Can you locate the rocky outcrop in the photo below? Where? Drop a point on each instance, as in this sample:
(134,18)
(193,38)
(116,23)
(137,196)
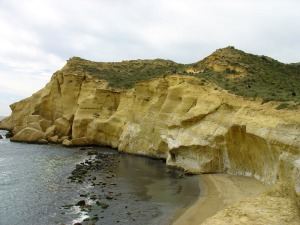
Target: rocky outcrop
(190,122)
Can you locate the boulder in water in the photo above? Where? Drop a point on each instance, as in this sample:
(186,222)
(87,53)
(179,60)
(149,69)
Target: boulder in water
(9,134)
(81,203)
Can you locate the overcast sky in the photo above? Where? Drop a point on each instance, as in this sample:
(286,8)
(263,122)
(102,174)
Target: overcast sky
(38,36)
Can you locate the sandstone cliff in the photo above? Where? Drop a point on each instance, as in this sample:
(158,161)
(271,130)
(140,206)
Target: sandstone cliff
(190,122)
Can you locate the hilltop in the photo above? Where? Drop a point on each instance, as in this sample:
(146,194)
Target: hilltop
(238,72)
(251,75)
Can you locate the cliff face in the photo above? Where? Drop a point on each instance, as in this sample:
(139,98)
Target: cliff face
(189,122)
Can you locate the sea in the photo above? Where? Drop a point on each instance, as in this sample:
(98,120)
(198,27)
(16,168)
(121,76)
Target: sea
(35,189)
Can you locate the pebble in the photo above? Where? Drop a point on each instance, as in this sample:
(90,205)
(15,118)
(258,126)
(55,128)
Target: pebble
(109,197)
(93,197)
(83,195)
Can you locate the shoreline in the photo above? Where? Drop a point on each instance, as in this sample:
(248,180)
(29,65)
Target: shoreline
(217,191)
(100,203)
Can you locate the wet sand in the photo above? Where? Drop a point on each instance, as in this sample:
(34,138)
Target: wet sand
(217,192)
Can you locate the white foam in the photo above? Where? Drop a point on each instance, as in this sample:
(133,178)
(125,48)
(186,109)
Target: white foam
(82,215)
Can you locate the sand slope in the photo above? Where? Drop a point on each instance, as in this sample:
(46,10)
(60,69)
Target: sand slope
(219,191)
(228,200)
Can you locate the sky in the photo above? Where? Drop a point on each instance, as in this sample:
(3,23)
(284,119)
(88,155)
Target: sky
(38,36)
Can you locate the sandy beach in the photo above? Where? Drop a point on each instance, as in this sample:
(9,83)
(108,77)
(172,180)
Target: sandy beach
(217,192)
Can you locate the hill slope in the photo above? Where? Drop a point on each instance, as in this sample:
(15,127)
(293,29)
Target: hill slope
(238,72)
(251,75)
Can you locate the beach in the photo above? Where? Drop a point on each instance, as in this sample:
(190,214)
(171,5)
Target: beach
(217,192)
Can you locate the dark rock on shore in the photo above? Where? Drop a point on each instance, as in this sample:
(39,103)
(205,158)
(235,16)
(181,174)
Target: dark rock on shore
(93,197)
(88,172)
(67,206)
(95,218)
(9,134)
(86,208)
(81,203)
(102,204)
(102,161)
(109,197)
(102,200)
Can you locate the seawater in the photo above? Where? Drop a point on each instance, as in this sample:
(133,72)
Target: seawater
(34,186)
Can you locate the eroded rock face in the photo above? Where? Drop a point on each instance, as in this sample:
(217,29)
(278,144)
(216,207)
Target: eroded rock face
(200,128)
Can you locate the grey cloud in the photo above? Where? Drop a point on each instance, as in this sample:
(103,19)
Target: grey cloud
(38,36)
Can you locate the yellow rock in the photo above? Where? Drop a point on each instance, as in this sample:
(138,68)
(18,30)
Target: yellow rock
(63,125)
(198,127)
(29,134)
(53,139)
(50,131)
(79,141)
(192,125)
(67,143)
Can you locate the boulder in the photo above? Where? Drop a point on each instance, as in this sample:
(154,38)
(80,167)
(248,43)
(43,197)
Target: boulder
(9,134)
(50,131)
(53,139)
(45,124)
(42,142)
(29,134)
(34,125)
(63,125)
(81,203)
(67,143)
(61,140)
(80,141)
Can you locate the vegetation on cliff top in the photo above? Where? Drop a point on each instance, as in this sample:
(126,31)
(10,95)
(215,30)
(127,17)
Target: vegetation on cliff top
(251,75)
(234,70)
(126,73)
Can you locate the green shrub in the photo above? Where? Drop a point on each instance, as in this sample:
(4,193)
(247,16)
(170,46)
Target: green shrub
(263,78)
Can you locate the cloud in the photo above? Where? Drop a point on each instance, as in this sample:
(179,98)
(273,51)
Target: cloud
(37,36)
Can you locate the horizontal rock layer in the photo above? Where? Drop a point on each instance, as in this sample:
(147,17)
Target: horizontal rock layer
(190,123)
